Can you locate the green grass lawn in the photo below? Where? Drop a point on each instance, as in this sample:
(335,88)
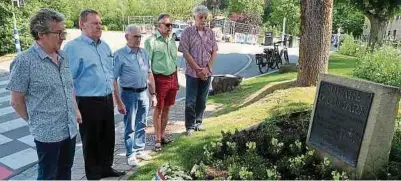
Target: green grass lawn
(186,151)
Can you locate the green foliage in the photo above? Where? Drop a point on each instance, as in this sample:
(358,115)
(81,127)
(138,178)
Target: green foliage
(275,149)
(172,172)
(6,29)
(378,13)
(278,9)
(382,66)
(348,45)
(349,18)
(251,9)
(383,9)
(114,27)
(216,5)
(394,166)
(6,35)
(246,6)
(69,24)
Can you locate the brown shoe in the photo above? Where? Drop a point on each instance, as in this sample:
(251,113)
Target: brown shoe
(165,141)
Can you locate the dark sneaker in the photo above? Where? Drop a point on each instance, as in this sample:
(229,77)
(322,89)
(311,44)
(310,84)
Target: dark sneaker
(200,128)
(112,173)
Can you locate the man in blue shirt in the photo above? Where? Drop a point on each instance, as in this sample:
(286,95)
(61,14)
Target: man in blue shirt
(132,67)
(91,63)
(43,94)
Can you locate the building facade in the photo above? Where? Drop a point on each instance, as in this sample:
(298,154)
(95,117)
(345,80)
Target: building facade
(393,30)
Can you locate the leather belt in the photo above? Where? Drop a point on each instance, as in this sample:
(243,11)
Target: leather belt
(134,89)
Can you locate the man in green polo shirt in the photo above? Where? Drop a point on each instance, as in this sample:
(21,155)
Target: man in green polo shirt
(162,51)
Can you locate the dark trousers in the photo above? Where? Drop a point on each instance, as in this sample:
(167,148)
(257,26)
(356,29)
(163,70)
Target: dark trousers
(55,159)
(97,134)
(197,91)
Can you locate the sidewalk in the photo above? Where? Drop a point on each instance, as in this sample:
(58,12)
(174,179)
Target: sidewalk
(174,129)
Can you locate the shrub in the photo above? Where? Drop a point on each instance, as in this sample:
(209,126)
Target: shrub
(381,66)
(274,150)
(69,24)
(114,27)
(348,45)
(7,28)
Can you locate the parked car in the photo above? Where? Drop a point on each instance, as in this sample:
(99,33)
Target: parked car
(178,27)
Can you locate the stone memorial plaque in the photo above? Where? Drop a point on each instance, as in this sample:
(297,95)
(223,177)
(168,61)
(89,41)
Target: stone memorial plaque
(339,121)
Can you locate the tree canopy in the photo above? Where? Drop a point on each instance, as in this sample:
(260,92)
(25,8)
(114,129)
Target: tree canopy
(379,12)
(251,11)
(349,18)
(278,9)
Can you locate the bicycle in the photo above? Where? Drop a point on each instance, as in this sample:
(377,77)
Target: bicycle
(271,58)
(284,54)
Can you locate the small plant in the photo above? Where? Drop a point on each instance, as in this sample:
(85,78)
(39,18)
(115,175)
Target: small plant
(244,174)
(339,176)
(171,172)
(273,174)
(274,150)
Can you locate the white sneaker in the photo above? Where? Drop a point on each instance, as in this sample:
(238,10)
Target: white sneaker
(132,161)
(143,156)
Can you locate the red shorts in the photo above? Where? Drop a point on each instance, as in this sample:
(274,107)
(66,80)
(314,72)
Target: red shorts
(166,89)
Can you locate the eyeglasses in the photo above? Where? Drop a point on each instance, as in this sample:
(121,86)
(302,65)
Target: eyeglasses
(168,25)
(62,34)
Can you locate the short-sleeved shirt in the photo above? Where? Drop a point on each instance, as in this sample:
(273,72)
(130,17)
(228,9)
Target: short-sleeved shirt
(48,90)
(131,68)
(91,66)
(199,47)
(163,54)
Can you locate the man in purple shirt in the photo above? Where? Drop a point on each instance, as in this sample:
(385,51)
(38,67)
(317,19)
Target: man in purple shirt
(199,48)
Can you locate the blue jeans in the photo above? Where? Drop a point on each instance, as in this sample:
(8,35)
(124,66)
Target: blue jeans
(137,106)
(197,91)
(55,159)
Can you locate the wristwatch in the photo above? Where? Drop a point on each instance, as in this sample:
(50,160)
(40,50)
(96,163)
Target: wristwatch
(153,93)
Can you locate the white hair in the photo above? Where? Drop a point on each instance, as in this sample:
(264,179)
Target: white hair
(131,28)
(200,9)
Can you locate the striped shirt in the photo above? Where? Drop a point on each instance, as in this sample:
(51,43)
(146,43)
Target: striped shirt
(200,48)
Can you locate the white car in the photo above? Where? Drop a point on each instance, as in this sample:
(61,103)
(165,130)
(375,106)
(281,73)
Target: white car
(178,27)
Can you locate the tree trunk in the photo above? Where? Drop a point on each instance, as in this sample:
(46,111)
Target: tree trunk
(377,31)
(316,26)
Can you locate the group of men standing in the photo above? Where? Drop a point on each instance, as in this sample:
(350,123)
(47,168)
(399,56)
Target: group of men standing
(56,90)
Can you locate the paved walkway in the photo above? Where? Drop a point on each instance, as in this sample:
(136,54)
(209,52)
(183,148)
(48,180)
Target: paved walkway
(174,129)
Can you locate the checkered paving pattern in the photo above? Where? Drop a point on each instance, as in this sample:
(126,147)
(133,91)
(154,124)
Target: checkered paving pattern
(17,146)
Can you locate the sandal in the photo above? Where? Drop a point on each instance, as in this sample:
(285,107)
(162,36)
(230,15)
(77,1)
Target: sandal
(165,141)
(158,145)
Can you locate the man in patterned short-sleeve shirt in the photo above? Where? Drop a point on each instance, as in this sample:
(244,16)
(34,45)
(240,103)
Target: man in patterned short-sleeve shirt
(42,93)
(199,48)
